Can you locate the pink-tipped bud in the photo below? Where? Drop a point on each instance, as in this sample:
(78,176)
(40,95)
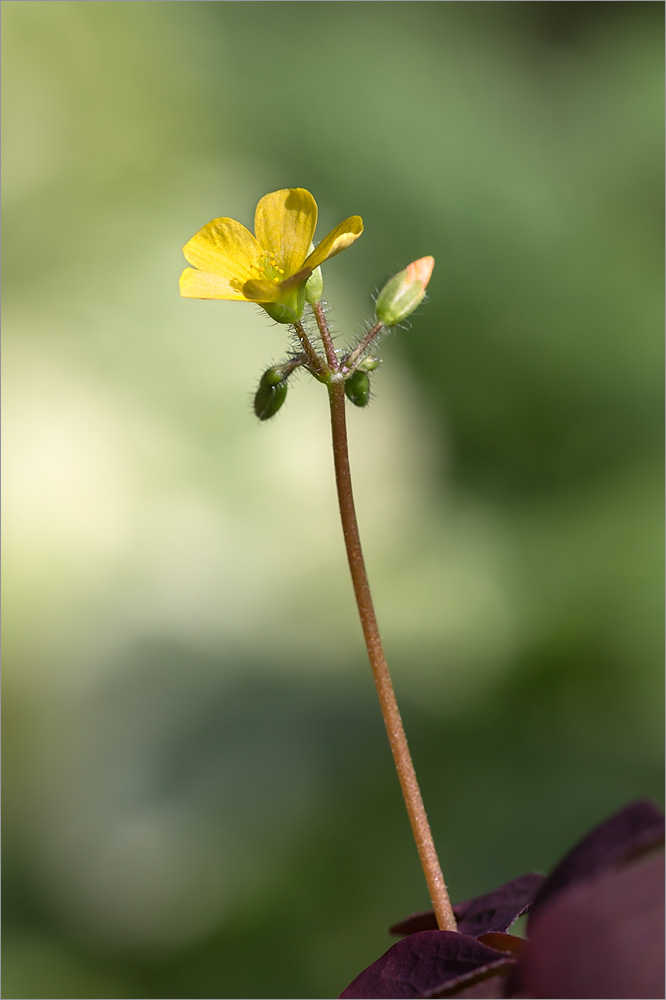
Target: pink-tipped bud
(404,292)
(420,270)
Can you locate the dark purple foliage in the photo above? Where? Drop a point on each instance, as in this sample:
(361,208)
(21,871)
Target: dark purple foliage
(602,937)
(494,911)
(596,929)
(425,964)
(503,942)
(489,988)
(627,833)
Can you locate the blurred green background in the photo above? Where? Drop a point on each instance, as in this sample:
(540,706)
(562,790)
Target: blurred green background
(198,796)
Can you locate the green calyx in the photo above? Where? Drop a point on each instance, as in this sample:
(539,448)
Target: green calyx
(289,309)
(314,287)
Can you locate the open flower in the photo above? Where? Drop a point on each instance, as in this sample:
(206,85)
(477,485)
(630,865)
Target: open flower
(271,267)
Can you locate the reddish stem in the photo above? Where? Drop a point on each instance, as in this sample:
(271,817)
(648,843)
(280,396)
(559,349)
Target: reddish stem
(389,706)
(351,360)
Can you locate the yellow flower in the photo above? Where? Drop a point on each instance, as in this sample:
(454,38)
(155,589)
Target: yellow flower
(271,267)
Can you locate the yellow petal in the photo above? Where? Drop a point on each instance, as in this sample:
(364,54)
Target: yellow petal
(202,285)
(224,247)
(339,239)
(262,291)
(284,224)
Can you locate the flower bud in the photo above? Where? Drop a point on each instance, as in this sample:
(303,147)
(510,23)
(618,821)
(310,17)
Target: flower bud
(357,388)
(368,365)
(271,393)
(314,287)
(404,292)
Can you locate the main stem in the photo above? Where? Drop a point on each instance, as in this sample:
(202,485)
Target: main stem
(396,733)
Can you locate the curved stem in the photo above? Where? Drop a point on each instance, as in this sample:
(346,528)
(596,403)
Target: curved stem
(389,706)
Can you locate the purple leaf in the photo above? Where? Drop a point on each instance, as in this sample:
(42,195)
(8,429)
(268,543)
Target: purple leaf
(425,964)
(425,921)
(498,910)
(490,987)
(627,833)
(603,937)
(494,911)
(504,942)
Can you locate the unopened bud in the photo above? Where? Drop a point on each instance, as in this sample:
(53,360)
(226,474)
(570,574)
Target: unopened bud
(404,292)
(314,287)
(271,393)
(357,388)
(368,365)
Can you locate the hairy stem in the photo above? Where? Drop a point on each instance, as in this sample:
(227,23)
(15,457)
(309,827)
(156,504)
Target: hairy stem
(389,706)
(315,364)
(325,333)
(351,360)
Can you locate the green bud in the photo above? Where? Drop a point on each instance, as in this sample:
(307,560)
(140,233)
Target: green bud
(398,299)
(368,365)
(271,393)
(404,292)
(357,388)
(314,287)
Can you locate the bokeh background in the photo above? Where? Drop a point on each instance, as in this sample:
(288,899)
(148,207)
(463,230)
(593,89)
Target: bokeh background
(198,796)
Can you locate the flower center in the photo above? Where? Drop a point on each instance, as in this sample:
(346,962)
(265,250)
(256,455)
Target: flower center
(268,267)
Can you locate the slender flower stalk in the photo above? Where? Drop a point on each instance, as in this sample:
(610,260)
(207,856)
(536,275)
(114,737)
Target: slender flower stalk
(387,700)
(380,671)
